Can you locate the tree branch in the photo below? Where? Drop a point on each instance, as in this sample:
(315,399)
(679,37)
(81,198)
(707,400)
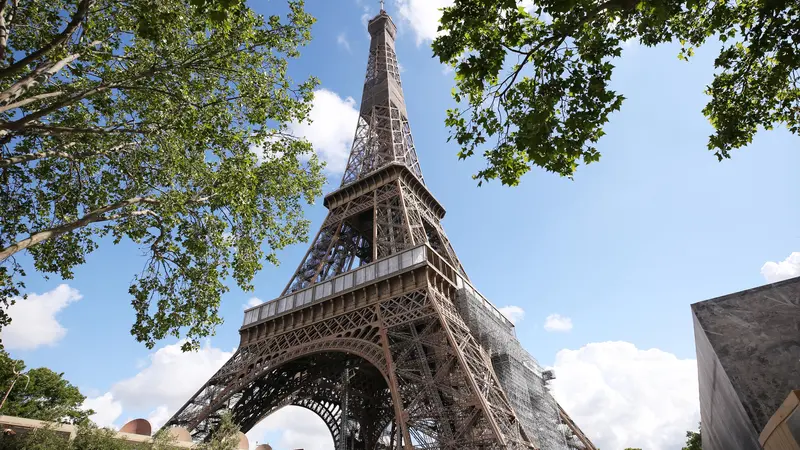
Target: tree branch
(43,71)
(22,121)
(154,89)
(49,130)
(5,26)
(30,100)
(20,159)
(141,212)
(80,14)
(94,216)
(563,36)
(97,215)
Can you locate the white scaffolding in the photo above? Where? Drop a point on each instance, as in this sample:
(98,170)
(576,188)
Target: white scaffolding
(523,380)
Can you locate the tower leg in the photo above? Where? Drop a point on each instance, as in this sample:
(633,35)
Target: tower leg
(412,350)
(343,437)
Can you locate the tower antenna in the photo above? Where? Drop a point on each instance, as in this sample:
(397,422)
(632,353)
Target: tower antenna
(382,5)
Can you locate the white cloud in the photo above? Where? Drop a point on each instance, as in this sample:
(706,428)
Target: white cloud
(254,301)
(366,17)
(527,4)
(778,271)
(630,43)
(294,427)
(622,396)
(513,313)
(333,124)
(171,377)
(423,16)
(341,39)
(557,322)
(106,409)
(263,153)
(33,320)
(164,383)
(160,416)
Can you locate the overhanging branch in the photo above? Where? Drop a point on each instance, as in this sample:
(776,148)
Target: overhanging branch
(97,215)
(77,18)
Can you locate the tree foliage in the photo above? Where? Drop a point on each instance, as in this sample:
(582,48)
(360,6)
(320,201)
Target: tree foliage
(88,437)
(41,394)
(218,10)
(694,440)
(548,109)
(225,437)
(160,123)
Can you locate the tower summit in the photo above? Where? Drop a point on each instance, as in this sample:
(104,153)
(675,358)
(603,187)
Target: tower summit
(379,331)
(383,134)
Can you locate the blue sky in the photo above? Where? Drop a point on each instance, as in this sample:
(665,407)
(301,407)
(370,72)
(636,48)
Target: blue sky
(619,253)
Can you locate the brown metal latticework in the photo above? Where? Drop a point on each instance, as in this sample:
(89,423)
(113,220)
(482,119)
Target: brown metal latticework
(379,331)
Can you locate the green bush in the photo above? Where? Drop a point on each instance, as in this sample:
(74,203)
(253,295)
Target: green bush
(88,437)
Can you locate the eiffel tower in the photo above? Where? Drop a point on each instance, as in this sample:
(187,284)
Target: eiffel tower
(380,331)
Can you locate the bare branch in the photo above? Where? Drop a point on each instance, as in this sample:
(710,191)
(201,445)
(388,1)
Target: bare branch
(30,100)
(20,159)
(22,121)
(97,215)
(5,25)
(42,72)
(141,212)
(48,130)
(80,14)
(94,216)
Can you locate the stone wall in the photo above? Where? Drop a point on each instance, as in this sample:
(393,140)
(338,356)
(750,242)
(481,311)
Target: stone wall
(748,356)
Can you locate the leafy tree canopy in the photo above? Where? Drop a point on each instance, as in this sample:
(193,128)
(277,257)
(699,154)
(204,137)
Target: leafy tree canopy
(42,395)
(160,123)
(549,108)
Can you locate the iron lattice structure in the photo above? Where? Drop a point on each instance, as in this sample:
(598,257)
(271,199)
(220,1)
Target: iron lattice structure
(379,331)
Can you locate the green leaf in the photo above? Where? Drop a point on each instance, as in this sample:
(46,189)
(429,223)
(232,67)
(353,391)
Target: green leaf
(548,121)
(187,155)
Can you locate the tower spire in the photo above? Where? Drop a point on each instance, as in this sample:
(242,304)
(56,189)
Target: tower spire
(383,133)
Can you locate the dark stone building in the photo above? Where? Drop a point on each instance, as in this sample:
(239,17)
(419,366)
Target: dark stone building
(748,358)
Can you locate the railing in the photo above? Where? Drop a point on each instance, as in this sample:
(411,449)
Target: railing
(461,283)
(346,281)
(363,275)
(464,284)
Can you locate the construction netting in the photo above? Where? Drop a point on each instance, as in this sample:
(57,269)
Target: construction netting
(522,378)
